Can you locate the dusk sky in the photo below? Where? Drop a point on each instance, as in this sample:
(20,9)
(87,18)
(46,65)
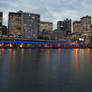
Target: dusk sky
(50,10)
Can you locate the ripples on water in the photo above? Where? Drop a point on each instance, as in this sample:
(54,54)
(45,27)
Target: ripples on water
(45,70)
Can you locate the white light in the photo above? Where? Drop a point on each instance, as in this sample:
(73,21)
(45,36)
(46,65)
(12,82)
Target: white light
(81,39)
(10,45)
(21,45)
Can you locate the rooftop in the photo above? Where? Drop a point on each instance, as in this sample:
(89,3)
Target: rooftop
(44,22)
(20,12)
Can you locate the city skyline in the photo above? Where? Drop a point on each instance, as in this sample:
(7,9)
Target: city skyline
(58,10)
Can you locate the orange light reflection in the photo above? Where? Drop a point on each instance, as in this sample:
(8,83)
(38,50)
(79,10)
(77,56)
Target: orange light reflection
(59,51)
(75,53)
(88,57)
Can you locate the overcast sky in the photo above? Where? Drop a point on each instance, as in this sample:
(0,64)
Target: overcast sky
(50,10)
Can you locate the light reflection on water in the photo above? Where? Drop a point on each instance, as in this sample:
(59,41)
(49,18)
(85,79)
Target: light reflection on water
(44,69)
(76,62)
(59,58)
(88,58)
(10,54)
(22,55)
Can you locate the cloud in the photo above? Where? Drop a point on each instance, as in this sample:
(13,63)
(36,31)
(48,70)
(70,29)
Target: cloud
(50,10)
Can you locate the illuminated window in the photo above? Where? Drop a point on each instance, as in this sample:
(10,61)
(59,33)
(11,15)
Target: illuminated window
(33,17)
(25,24)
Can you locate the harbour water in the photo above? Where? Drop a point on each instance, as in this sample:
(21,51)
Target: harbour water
(45,70)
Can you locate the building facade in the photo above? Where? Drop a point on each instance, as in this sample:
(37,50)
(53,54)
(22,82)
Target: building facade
(45,29)
(3,30)
(58,35)
(85,23)
(46,26)
(30,25)
(24,24)
(76,27)
(60,25)
(1,18)
(67,25)
(15,24)
(83,28)
(86,28)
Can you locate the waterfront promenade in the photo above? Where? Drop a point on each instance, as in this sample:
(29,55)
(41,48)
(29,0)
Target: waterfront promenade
(25,43)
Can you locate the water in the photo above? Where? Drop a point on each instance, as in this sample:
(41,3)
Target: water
(45,70)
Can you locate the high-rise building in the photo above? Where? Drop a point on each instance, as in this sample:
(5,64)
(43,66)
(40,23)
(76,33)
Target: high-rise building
(86,28)
(1,18)
(24,24)
(60,25)
(3,28)
(64,26)
(85,23)
(15,24)
(67,26)
(83,28)
(76,27)
(30,23)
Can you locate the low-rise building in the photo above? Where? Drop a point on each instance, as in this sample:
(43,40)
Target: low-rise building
(58,35)
(46,29)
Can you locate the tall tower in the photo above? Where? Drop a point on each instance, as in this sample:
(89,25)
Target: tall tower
(67,25)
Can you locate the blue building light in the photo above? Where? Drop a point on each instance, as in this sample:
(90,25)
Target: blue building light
(31,42)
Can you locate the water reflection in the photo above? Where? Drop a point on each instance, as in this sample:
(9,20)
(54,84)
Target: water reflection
(22,55)
(59,52)
(1,51)
(21,59)
(47,53)
(14,56)
(10,52)
(47,63)
(45,68)
(10,55)
(81,61)
(4,68)
(76,64)
(59,57)
(88,58)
